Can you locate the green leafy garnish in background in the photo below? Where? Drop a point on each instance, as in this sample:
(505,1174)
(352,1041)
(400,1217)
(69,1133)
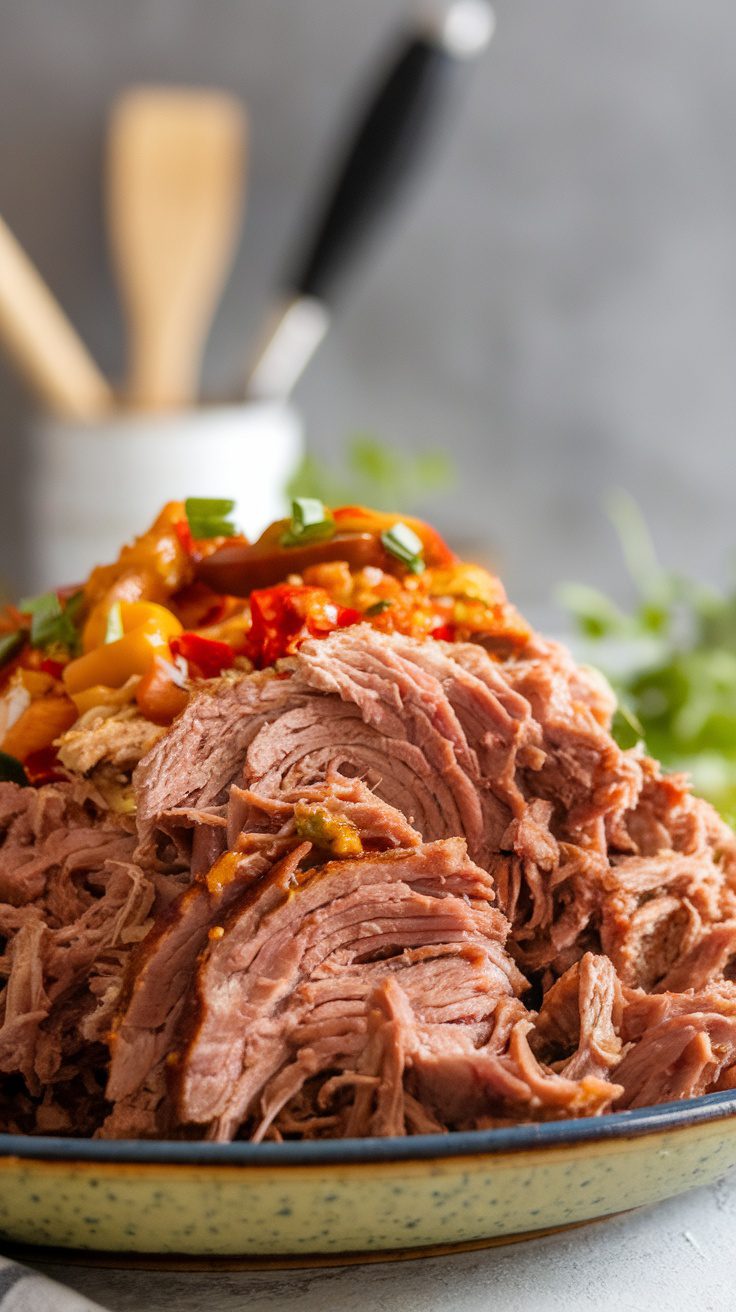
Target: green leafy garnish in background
(671,660)
(51,622)
(373,474)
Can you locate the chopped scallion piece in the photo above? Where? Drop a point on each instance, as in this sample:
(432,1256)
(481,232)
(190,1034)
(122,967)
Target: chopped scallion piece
(208,517)
(379,607)
(9,644)
(311,521)
(51,623)
(114,626)
(45,612)
(403,543)
(47,603)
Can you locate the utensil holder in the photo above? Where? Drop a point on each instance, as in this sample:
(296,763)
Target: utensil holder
(92,487)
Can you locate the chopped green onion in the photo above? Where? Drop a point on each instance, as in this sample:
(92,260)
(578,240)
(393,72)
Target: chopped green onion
(9,644)
(114,626)
(204,506)
(47,604)
(208,517)
(403,543)
(51,623)
(379,607)
(311,521)
(11,771)
(46,613)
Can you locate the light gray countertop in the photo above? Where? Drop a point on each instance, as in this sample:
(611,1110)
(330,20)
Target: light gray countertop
(679,1255)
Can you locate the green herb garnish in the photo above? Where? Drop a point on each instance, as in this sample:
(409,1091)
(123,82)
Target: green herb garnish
(378,607)
(208,517)
(671,660)
(11,771)
(372,473)
(403,543)
(10,643)
(114,626)
(310,521)
(51,623)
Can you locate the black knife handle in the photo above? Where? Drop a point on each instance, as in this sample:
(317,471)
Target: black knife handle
(384,152)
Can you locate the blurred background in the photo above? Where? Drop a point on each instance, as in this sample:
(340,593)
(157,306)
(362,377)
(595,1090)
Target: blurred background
(556,307)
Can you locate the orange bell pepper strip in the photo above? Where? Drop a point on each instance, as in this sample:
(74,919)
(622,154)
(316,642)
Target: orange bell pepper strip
(157,561)
(45,720)
(238,569)
(115,662)
(361,519)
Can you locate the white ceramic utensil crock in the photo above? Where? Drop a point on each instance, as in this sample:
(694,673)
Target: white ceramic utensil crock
(92,487)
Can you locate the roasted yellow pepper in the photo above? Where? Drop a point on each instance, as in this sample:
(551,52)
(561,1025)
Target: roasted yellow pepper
(132,615)
(114,662)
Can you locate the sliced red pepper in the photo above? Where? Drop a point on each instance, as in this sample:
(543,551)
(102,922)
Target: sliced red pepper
(43,767)
(206,657)
(284,616)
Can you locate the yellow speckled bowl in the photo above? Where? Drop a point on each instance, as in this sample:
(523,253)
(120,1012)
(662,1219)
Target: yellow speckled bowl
(331,1200)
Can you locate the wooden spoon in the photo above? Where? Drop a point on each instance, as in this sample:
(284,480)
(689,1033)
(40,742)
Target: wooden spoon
(175,179)
(43,343)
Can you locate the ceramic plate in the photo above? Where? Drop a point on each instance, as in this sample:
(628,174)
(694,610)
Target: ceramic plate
(332,1200)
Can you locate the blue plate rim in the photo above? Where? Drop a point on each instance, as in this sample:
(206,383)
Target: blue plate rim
(338,1152)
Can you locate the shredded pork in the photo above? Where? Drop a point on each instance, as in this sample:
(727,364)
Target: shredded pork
(393,886)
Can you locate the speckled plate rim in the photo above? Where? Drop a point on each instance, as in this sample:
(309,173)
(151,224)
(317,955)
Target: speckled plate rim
(338,1152)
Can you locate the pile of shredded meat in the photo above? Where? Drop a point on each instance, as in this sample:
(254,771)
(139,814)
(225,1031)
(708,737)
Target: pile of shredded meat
(392,886)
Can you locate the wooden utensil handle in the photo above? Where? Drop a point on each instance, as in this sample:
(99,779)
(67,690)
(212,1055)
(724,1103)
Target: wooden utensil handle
(44,345)
(164,363)
(175,168)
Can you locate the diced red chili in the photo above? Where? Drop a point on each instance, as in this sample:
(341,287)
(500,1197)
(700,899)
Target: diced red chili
(206,658)
(284,616)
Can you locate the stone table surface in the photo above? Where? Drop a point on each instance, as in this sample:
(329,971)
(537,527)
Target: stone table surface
(679,1255)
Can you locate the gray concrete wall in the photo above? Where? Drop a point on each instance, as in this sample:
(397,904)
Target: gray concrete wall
(559,306)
